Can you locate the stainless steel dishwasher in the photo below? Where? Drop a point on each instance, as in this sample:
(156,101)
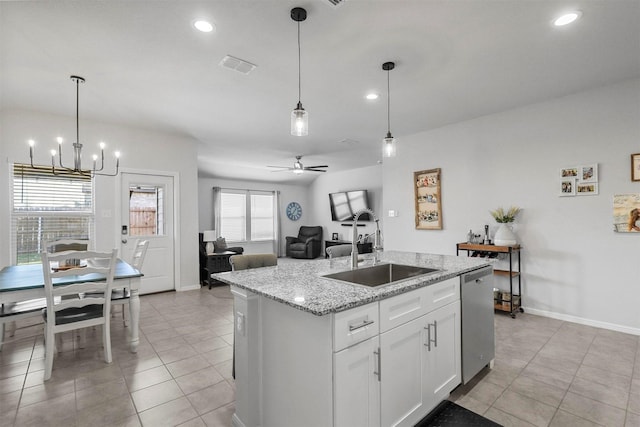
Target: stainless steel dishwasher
(478,335)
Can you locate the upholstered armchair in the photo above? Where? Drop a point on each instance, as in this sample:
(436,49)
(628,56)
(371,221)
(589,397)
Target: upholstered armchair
(308,244)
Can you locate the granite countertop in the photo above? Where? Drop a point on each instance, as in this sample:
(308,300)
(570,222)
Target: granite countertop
(299,285)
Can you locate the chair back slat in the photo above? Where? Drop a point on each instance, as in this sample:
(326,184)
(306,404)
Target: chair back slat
(139,253)
(98,275)
(63,245)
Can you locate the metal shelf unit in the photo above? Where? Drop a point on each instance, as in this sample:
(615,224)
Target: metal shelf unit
(514,304)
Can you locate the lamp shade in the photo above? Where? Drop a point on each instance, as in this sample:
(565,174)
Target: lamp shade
(209,236)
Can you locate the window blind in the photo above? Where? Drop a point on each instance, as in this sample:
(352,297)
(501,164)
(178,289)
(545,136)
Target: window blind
(48,206)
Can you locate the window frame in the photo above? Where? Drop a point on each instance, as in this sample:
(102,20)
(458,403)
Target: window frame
(14,214)
(248,217)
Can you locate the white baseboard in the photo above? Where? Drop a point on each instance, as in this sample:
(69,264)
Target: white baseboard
(188,288)
(582,321)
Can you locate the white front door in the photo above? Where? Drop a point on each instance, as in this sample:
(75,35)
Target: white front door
(147,213)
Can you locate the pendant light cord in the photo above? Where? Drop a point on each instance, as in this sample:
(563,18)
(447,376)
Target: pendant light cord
(77,111)
(388,105)
(299,68)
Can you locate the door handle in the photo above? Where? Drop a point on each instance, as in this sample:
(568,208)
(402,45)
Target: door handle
(124,241)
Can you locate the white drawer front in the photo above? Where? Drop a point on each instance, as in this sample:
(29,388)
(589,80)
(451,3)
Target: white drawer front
(402,308)
(443,293)
(408,306)
(356,325)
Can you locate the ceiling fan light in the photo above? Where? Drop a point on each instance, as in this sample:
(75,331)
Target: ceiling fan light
(299,121)
(389,146)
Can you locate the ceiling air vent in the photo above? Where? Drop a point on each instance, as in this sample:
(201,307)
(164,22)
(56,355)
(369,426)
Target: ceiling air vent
(335,3)
(237,64)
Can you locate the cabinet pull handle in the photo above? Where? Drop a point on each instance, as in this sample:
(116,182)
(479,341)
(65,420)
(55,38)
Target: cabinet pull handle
(364,324)
(428,343)
(379,372)
(435,333)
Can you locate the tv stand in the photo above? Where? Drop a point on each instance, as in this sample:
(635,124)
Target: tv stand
(363,248)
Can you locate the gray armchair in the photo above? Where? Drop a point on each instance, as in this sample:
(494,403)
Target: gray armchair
(308,244)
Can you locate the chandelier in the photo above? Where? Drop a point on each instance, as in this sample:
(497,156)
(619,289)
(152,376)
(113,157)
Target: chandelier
(60,168)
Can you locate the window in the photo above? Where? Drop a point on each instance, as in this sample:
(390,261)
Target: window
(246,215)
(146,210)
(48,207)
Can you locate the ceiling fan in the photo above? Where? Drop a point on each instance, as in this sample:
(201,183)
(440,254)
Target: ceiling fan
(298,167)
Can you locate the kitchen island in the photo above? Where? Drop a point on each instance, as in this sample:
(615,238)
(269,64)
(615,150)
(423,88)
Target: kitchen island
(315,351)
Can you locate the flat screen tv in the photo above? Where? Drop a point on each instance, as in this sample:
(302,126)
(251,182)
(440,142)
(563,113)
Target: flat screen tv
(346,203)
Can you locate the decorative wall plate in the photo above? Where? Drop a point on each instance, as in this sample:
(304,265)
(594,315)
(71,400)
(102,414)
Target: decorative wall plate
(294,211)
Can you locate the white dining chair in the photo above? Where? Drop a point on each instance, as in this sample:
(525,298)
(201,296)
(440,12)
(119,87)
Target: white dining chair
(65,309)
(121,296)
(10,313)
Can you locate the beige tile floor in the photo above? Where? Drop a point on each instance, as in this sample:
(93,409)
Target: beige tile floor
(553,373)
(547,372)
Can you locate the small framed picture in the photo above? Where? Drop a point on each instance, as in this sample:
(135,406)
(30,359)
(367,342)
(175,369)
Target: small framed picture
(588,173)
(569,172)
(334,236)
(587,188)
(568,187)
(635,167)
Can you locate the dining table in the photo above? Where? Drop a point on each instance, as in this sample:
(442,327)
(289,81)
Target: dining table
(25,282)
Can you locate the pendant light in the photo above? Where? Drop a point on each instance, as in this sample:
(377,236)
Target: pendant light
(389,145)
(299,117)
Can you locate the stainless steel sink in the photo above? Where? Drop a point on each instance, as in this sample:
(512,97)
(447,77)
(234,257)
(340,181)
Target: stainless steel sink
(380,275)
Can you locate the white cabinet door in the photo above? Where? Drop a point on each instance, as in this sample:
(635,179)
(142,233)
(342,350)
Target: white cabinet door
(356,386)
(403,371)
(443,353)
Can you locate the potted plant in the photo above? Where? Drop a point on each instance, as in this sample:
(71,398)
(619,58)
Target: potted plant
(504,235)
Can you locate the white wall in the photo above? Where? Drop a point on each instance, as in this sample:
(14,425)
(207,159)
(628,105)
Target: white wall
(141,150)
(575,267)
(288,193)
(369,178)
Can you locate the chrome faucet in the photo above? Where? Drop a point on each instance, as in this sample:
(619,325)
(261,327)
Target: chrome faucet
(354,239)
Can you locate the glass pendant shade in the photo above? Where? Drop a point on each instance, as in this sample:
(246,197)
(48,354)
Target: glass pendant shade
(389,146)
(299,121)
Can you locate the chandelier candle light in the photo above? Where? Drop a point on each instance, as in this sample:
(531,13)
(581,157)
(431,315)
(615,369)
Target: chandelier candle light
(77,149)
(389,144)
(299,117)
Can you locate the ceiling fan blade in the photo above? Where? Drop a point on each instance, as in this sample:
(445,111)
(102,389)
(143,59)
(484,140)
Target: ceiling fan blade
(283,170)
(314,170)
(317,166)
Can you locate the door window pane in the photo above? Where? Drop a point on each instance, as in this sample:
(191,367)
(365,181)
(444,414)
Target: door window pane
(146,210)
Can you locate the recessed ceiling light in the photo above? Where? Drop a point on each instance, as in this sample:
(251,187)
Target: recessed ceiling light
(371,96)
(204,26)
(567,18)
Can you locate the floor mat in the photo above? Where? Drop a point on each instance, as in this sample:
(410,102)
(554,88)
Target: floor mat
(448,414)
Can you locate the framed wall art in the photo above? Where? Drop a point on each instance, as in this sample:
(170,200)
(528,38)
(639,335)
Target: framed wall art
(568,187)
(626,213)
(578,180)
(588,173)
(428,199)
(586,188)
(635,167)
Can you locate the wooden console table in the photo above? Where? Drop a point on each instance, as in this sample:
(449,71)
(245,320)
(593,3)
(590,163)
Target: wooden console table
(217,263)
